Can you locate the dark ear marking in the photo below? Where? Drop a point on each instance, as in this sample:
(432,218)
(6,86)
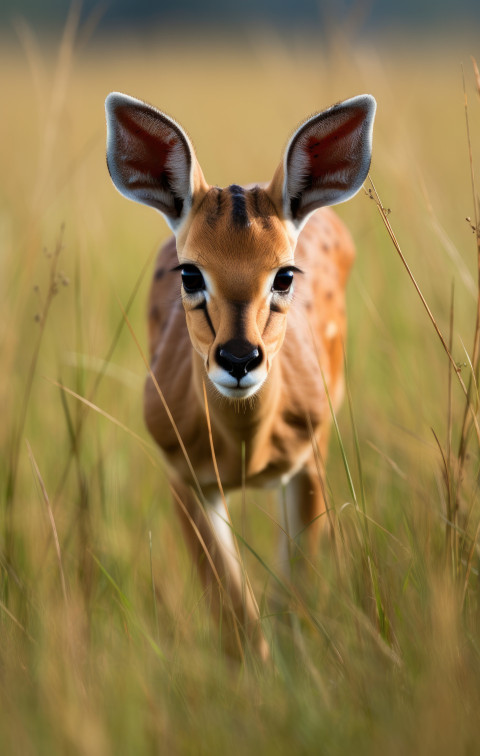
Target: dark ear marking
(294,206)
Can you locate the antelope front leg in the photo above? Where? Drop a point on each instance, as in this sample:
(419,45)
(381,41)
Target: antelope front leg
(209,540)
(302,516)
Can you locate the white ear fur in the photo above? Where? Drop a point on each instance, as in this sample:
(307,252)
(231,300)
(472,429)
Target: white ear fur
(328,158)
(149,157)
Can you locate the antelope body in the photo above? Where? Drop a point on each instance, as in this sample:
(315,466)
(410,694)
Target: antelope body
(246,316)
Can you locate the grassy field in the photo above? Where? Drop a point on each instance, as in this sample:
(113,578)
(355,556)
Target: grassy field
(106,641)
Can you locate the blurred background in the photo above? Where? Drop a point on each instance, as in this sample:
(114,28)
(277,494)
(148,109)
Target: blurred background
(107,645)
(368,15)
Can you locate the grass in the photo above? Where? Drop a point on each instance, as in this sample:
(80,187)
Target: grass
(107,645)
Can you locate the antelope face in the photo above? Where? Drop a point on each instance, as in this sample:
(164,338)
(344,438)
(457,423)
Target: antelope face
(236,246)
(237,268)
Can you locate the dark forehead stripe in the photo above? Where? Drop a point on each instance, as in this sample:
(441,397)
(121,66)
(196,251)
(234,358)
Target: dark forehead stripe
(211,205)
(243,205)
(239,206)
(219,201)
(263,207)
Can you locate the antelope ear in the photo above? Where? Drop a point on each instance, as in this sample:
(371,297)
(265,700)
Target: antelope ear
(326,160)
(150,158)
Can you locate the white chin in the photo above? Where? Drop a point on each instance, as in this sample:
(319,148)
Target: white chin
(238,392)
(227,385)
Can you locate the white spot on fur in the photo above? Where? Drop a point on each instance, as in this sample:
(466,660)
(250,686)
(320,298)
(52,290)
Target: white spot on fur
(331,330)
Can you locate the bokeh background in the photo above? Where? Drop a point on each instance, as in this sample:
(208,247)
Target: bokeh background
(369,15)
(107,645)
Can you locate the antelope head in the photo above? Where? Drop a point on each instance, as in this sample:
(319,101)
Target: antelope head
(236,246)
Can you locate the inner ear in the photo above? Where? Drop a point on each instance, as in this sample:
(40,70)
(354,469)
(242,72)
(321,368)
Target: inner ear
(328,158)
(150,157)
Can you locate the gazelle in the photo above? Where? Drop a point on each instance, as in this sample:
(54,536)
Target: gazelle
(246,322)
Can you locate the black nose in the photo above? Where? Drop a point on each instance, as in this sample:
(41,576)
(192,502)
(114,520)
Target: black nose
(231,359)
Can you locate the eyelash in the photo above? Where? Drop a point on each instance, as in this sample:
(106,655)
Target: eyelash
(193,281)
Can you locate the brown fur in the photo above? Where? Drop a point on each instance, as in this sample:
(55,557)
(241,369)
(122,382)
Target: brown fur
(273,425)
(325,253)
(237,326)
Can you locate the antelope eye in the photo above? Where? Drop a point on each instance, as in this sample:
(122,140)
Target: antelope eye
(192,279)
(283,280)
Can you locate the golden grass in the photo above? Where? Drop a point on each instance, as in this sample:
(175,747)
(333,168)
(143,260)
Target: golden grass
(106,644)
